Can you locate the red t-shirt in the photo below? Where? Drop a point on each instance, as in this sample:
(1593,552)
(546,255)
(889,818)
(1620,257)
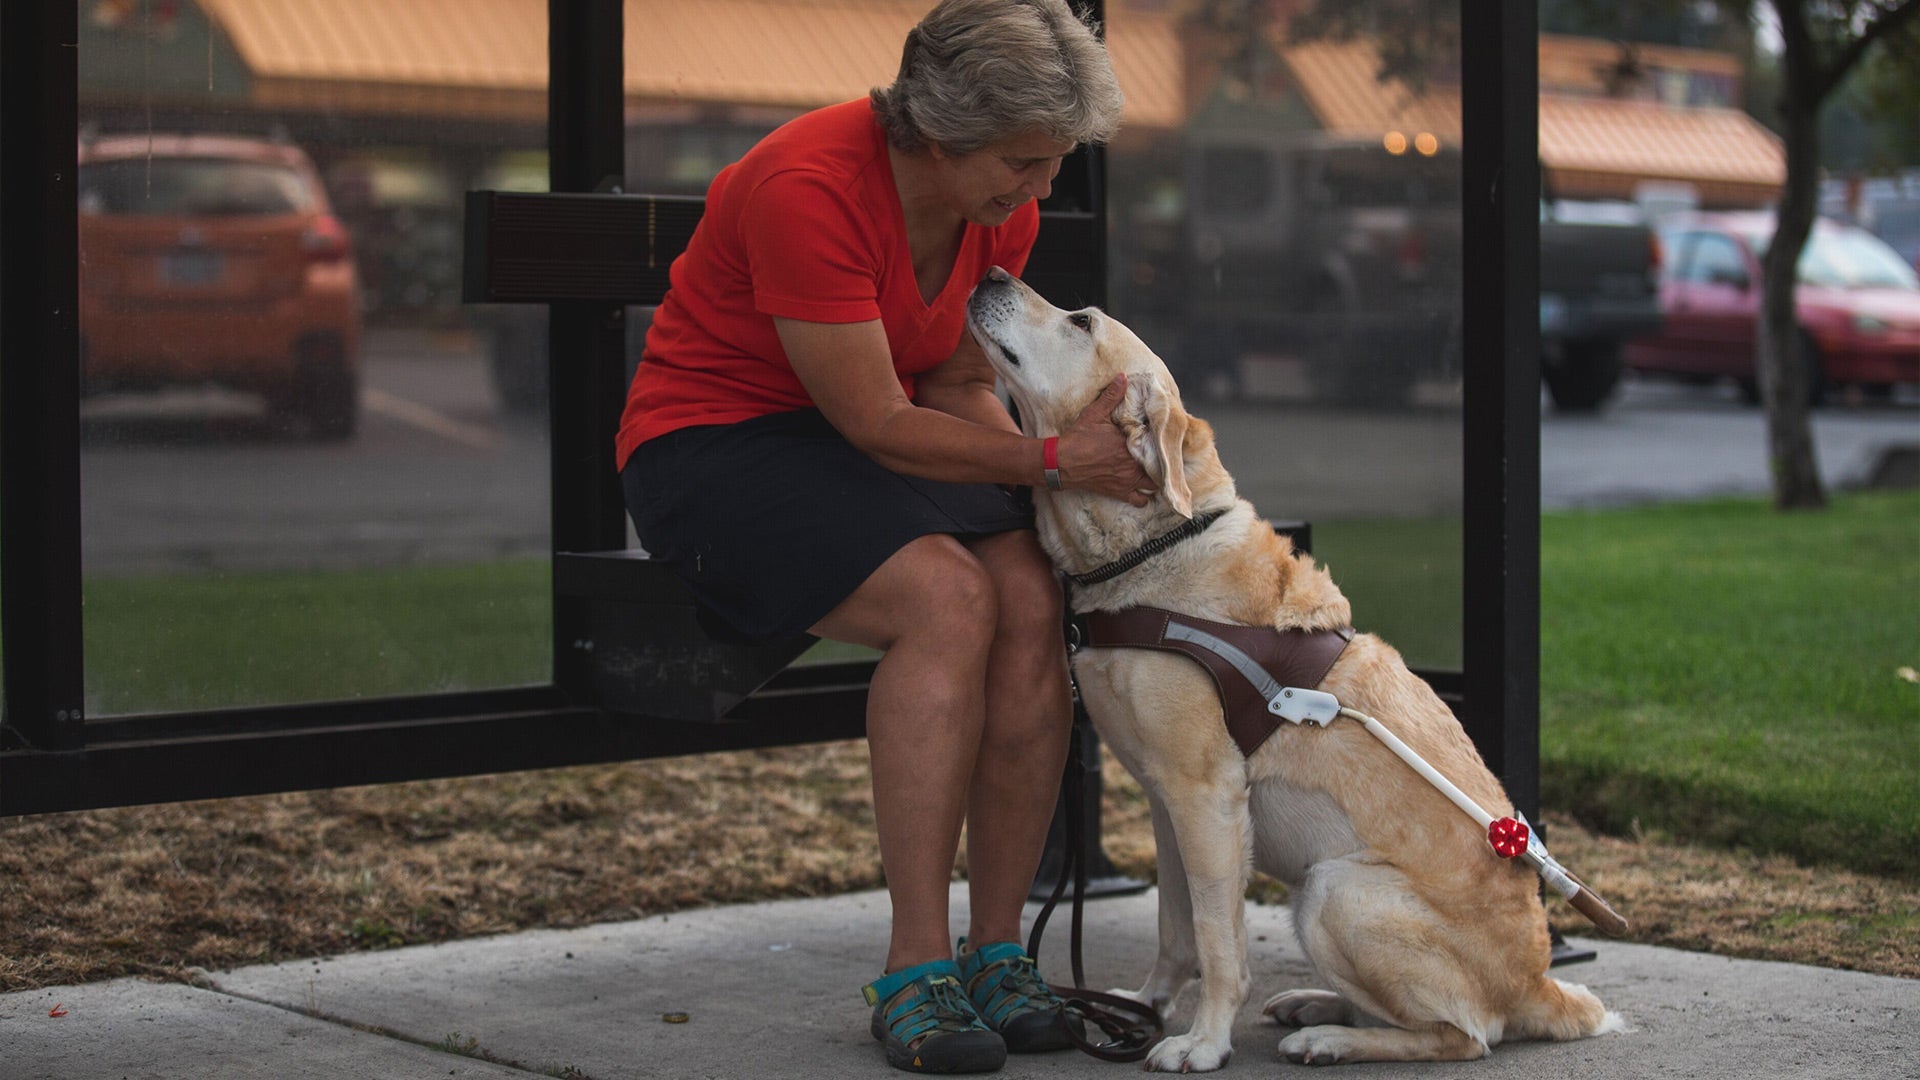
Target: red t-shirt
(806,226)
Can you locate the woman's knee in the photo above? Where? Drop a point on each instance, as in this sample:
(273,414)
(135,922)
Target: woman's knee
(1029,594)
(947,592)
(954,585)
(931,589)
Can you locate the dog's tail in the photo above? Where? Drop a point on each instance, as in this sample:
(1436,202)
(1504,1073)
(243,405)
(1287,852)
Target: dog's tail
(1562,1011)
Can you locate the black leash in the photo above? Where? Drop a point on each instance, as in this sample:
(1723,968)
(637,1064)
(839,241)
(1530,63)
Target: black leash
(1129,1037)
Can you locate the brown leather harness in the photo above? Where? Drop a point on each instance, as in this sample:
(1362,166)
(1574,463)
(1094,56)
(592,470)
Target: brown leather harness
(1266,677)
(1251,666)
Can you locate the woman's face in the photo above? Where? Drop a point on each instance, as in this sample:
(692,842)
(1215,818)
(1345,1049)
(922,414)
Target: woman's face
(988,185)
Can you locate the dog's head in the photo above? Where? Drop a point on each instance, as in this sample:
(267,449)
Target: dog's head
(1054,362)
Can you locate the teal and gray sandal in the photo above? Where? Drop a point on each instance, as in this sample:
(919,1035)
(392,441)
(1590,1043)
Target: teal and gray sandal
(1008,992)
(923,1017)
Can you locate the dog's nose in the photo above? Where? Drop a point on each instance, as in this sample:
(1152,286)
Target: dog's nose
(997,274)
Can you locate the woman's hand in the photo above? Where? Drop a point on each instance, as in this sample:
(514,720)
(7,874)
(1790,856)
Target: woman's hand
(1093,452)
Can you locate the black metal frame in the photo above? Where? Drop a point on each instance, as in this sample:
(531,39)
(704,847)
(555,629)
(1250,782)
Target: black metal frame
(1500,608)
(585,129)
(40,386)
(52,759)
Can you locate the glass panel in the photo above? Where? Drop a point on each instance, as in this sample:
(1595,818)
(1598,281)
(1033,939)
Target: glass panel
(1291,246)
(1285,232)
(301,477)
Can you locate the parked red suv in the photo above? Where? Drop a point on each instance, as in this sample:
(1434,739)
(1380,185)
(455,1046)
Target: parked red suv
(217,259)
(1859,305)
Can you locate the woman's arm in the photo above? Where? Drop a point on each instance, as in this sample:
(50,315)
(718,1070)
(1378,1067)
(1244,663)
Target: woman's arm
(848,371)
(962,386)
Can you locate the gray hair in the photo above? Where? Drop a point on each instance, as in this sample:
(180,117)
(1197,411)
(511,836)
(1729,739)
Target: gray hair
(977,71)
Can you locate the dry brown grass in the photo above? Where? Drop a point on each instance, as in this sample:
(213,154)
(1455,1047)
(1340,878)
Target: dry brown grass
(159,890)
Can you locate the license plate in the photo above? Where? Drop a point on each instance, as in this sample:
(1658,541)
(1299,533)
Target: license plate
(191,267)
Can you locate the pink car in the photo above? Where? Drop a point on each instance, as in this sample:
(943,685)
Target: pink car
(1859,306)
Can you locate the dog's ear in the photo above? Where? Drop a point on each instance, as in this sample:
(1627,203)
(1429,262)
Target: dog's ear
(1156,426)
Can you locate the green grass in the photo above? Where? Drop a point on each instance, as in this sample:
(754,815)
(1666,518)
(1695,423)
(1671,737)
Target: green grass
(1403,580)
(213,641)
(1717,671)
(1724,673)
(220,641)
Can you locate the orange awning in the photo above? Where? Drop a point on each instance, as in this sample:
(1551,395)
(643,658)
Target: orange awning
(487,59)
(1580,65)
(1591,147)
(1339,82)
(1600,148)
(806,53)
(479,59)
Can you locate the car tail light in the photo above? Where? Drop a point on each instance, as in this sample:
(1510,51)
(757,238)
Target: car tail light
(1656,255)
(326,240)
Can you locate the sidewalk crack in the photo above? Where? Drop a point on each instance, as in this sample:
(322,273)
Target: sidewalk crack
(452,1044)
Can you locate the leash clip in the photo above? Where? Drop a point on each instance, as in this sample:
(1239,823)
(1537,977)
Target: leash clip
(1127,1039)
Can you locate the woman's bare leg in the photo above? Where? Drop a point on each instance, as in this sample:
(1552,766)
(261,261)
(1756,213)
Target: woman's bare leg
(1023,751)
(931,608)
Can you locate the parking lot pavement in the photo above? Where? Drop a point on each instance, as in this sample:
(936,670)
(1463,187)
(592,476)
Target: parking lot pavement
(1662,442)
(771,990)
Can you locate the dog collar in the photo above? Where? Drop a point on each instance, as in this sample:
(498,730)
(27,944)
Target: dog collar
(1191,528)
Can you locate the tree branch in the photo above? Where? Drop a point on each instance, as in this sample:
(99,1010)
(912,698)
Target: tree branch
(1830,75)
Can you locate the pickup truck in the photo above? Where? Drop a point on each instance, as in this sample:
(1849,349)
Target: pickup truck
(1348,256)
(1337,251)
(1599,288)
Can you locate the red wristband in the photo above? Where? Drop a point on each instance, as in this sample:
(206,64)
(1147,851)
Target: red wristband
(1050,461)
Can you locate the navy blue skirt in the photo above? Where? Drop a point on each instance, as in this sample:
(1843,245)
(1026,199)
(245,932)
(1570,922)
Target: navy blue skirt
(774,521)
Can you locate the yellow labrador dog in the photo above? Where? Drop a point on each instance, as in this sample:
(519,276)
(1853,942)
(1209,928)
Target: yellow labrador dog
(1434,948)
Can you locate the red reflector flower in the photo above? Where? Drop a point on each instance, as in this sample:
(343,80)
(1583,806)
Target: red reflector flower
(1508,837)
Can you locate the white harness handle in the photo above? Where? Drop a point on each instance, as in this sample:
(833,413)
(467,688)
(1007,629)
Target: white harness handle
(1320,708)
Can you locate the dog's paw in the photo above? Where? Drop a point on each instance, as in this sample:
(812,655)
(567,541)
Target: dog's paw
(1188,1053)
(1306,1008)
(1318,1046)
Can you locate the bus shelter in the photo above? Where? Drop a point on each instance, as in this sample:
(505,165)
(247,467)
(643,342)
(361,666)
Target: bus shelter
(212,589)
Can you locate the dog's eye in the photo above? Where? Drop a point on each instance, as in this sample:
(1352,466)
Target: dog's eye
(1081,319)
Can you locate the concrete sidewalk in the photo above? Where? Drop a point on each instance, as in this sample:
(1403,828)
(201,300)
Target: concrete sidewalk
(771,990)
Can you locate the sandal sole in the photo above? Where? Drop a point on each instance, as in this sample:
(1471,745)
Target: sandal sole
(1036,1033)
(964,1052)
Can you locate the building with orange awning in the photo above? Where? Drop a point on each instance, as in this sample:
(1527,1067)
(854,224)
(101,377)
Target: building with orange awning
(1599,139)
(487,59)
(1606,127)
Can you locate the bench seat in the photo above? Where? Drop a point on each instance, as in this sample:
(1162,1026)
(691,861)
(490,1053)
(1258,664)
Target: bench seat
(651,652)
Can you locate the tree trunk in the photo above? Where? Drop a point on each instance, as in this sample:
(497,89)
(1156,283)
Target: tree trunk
(1784,374)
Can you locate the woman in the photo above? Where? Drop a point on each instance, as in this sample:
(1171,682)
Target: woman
(812,439)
